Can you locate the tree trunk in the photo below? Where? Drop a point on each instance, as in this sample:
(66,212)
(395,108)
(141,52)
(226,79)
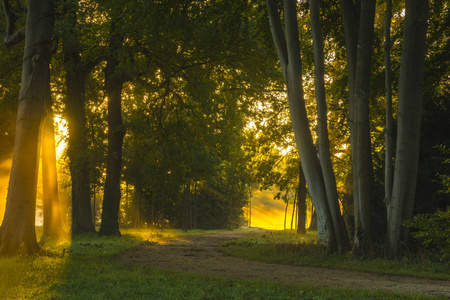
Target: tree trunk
(293,210)
(410,97)
(137,205)
(17,232)
(186,206)
(52,215)
(289,54)
(350,16)
(285,213)
(313,223)
(362,122)
(77,149)
(359,53)
(342,240)
(389,154)
(116,132)
(301,202)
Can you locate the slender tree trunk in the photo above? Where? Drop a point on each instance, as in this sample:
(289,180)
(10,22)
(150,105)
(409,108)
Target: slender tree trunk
(114,82)
(301,200)
(116,132)
(342,239)
(350,16)
(285,213)
(137,204)
(359,52)
(52,215)
(362,122)
(293,210)
(410,98)
(186,206)
(289,54)
(17,232)
(77,149)
(313,223)
(389,154)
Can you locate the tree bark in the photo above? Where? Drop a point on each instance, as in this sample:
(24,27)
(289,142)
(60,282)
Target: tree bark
(77,151)
(17,232)
(301,202)
(410,98)
(362,122)
(389,152)
(116,132)
(187,206)
(342,240)
(359,52)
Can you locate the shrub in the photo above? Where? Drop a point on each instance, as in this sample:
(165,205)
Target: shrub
(433,230)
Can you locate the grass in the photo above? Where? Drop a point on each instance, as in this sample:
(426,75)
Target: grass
(287,247)
(84,269)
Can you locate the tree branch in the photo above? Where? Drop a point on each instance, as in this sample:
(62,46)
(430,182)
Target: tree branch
(11,38)
(277,32)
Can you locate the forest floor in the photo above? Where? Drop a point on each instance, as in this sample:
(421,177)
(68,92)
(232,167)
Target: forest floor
(200,254)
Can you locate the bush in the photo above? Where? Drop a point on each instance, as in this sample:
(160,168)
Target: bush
(433,231)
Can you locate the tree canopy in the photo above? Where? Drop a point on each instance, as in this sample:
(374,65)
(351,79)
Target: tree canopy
(177,110)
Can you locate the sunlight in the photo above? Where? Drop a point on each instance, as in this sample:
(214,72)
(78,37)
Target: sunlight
(267,213)
(61,135)
(5,168)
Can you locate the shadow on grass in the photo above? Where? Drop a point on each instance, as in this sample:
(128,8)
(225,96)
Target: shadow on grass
(85,268)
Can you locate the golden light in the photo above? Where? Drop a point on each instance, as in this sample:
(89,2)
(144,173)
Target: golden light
(266,212)
(61,134)
(5,168)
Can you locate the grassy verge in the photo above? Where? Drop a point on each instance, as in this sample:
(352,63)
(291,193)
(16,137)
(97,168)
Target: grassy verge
(287,247)
(84,269)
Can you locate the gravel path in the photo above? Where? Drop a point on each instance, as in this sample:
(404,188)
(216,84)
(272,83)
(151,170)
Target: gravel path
(199,254)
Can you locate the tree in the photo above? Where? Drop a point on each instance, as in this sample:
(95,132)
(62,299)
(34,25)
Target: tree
(77,71)
(389,153)
(288,49)
(322,128)
(114,80)
(410,94)
(18,224)
(359,28)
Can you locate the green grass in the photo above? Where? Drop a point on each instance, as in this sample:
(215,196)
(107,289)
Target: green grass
(84,269)
(287,247)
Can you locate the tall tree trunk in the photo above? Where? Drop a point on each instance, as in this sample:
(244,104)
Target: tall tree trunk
(137,204)
(285,213)
(359,53)
(288,49)
(362,122)
(77,149)
(293,210)
(52,215)
(342,240)
(186,206)
(389,152)
(17,232)
(410,98)
(301,200)
(116,132)
(350,16)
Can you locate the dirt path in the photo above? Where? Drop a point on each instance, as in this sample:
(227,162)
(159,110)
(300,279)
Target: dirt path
(198,254)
